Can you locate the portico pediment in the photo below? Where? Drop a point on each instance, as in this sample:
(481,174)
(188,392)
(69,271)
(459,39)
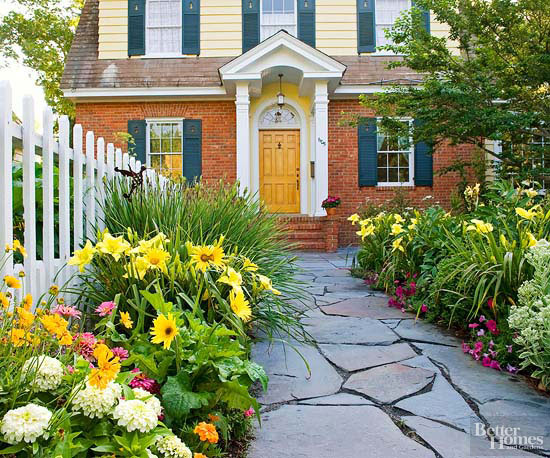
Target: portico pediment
(279,51)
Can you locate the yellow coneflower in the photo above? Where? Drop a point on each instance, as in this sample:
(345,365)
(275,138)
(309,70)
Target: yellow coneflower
(204,257)
(54,290)
(12,282)
(20,248)
(27,301)
(4,301)
(164,330)
(26,318)
(108,367)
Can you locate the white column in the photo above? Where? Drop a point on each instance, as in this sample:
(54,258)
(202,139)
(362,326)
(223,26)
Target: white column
(243,135)
(321,146)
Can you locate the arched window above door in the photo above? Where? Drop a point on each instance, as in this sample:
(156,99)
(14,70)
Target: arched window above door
(275,116)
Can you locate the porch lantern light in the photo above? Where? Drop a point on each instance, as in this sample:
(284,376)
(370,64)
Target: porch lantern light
(280,95)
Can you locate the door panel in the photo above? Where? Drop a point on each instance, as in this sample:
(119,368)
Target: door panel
(280,170)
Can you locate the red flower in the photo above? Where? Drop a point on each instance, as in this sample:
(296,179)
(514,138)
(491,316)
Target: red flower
(492,326)
(491,303)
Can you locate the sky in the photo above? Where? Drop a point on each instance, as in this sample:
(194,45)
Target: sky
(22,79)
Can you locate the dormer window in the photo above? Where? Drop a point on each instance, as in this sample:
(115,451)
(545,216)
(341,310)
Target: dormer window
(163,28)
(278,15)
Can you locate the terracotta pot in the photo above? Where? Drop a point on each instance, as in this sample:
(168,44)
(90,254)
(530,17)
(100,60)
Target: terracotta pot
(331,211)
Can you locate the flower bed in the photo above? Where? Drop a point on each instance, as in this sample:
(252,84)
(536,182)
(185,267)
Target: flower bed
(483,271)
(155,360)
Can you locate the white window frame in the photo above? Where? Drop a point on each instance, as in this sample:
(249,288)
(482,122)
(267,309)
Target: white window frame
(409,183)
(376,25)
(148,123)
(147,47)
(282,28)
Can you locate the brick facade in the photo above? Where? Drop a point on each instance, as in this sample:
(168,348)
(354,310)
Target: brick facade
(219,159)
(219,155)
(343,171)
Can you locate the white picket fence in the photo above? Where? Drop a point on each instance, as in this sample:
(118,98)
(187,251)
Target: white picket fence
(88,164)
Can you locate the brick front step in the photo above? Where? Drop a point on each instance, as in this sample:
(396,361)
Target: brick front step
(312,233)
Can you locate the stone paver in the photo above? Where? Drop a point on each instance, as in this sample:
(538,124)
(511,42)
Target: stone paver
(387,384)
(352,358)
(368,307)
(371,394)
(329,432)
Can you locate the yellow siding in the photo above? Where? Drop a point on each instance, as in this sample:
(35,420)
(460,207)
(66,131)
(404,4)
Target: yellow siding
(113,29)
(441,30)
(221,28)
(336,32)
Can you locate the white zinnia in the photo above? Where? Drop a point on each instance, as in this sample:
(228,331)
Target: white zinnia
(25,423)
(45,373)
(173,447)
(94,402)
(135,415)
(149,399)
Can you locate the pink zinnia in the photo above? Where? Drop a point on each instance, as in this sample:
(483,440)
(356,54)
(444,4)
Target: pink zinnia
(482,318)
(85,344)
(105,308)
(495,365)
(122,353)
(141,381)
(465,347)
(486,361)
(67,311)
(424,308)
(248,413)
(473,325)
(491,325)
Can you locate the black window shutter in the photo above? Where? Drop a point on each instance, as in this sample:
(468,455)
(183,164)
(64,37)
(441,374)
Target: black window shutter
(251,24)
(191,33)
(192,149)
(137,128)
(368,153)
(136,27)
(425,18)
(306,21)
(366,26)
(423,163)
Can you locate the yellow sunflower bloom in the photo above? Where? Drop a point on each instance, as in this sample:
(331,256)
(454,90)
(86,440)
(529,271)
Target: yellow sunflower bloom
(164,330)
(157,258)
(126,320)
(240,305)
(267,284)
(232,278)
(83,257)
(354,219)
(114,246)
(108,367)
(204,257)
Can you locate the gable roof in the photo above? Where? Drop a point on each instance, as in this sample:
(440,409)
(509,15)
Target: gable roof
(84,70)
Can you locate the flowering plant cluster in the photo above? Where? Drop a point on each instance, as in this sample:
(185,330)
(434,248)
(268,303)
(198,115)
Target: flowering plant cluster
(331,202)
(470,269)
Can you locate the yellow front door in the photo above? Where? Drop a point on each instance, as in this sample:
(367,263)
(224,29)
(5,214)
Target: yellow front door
(280,170)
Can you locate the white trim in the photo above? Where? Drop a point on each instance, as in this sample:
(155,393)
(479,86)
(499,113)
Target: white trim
(302,127)
(358,89)
(405,184)
(147,92)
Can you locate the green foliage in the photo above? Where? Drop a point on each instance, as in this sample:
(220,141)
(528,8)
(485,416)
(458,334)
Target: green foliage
(495,88)
(39,34)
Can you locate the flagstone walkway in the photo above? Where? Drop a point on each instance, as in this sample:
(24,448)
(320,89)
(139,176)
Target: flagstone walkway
(381,385)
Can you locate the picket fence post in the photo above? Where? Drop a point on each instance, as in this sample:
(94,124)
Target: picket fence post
(6,200)
(48,239)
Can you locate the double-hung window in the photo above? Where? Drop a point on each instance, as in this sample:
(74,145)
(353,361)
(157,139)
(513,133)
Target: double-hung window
(387,11)
(163,27)
(165,147)
(395,158)
(278,15)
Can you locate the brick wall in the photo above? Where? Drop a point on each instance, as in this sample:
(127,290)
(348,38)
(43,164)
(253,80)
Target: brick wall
(218,127)
(343,173)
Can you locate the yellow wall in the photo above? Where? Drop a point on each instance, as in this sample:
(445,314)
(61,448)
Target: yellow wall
(336,32)
(221,28)
(113,27)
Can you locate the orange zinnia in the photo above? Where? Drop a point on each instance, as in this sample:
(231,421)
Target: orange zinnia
(213,418)
(199,455)
(108,367)
(207,432)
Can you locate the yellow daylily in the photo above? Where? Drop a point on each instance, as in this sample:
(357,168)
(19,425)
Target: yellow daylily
(480,226)
(354,219)
(398,218)
(240,305)
(532,240)
(249,266)
(526,214)
(366,231)
(232,278)
(137,268)
(267,284)
(396,229)
(82,257)
(396,245)
(115,246)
